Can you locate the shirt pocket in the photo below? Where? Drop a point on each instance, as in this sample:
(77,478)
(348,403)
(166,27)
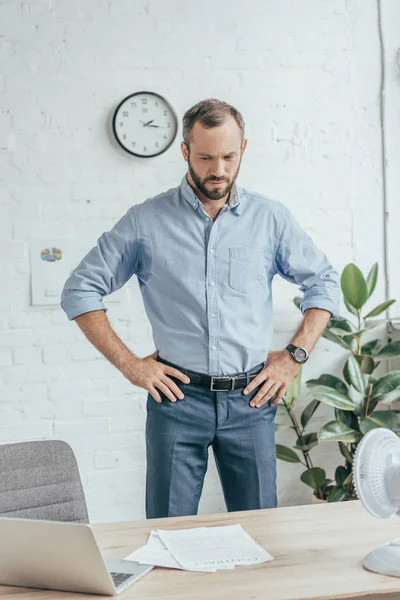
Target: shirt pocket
(247,269)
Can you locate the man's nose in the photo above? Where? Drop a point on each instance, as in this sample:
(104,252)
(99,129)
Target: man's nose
(218,169)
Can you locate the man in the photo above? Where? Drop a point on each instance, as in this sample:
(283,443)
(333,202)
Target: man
(205,254)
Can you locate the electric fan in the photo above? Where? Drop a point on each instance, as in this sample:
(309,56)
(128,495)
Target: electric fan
(376,473)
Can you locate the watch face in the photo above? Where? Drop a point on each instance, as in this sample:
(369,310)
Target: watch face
(144,124)
(300,354)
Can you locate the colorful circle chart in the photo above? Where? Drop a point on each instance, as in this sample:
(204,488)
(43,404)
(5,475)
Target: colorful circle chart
(51,254)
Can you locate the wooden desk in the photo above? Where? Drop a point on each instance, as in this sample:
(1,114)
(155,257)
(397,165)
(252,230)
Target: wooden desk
(318,552)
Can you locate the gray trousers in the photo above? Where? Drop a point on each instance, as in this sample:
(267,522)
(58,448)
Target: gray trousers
(178,436)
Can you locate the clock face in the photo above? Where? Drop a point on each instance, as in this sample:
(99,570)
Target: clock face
(144,124)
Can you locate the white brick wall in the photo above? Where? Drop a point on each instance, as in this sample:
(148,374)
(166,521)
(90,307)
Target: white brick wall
(305,76)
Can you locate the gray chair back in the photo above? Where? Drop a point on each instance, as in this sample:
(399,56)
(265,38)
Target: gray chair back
(40,480)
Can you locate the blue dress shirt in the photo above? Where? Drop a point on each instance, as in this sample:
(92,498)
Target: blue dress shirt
(206,285)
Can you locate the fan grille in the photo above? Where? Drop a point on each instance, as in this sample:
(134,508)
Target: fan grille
(373,455)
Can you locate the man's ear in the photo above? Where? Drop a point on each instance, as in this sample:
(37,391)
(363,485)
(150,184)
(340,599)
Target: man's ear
(185,152)
(244,146)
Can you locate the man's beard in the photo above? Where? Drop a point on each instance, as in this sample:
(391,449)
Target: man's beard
(217,193)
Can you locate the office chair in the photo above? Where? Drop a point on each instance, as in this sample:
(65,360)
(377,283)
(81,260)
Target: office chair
(40,480)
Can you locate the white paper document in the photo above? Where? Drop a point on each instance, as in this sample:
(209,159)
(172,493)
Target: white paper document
(154,553)
(201,549)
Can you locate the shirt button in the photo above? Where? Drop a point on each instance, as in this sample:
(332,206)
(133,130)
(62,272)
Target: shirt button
(212,251)
(212,283)
(213,315)
(214,348)
(207,218)
(194,204)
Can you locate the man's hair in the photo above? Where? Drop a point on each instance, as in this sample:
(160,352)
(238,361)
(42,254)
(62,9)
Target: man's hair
(209,113)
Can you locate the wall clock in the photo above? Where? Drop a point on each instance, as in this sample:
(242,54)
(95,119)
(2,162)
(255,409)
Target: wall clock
(145,124)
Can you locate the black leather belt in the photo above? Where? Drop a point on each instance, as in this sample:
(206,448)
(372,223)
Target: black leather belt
(217,383)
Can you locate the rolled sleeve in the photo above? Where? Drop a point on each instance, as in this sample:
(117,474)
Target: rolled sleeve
(299,261)
(105,269)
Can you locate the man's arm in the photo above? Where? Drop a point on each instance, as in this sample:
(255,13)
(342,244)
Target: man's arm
(311,328)
(299,261)
(106,268)
(280,368)
(146,372)
(96,327)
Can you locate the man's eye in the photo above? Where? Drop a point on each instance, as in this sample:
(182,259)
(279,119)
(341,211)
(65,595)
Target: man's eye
(202,158)
(228,157)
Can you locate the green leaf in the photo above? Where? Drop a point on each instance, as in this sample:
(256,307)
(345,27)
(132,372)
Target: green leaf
(379,309)
(309,441)
(351,342)
(370,323)
(370,408)
(348,479)
(340,475)
(386,384)
(340,323)
(347,417)
(338,331)
(370,347)
(326,483)
(336,339)
(353,374)
(286,454)
(308,412)
(367,363)
(330,381)
(358,400)
(391,350)
(346,452)
(347,334)
(293,390)
(332,397)
(372,278)
(354,286)
(379,418)
(388,398)
(314,477)
(349,307)
(297,301)
(337,494)
(336,431)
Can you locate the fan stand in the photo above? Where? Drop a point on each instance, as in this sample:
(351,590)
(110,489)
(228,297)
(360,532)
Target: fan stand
(384,559)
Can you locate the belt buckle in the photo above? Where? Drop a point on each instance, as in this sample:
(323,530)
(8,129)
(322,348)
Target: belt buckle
(213,377)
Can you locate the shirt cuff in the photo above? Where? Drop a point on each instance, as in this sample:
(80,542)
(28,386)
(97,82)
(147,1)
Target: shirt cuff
(74,308)
(323,304)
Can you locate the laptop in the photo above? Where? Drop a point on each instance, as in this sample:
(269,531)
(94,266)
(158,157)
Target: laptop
(61,556)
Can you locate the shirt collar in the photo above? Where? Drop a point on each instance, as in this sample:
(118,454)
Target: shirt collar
(192,199)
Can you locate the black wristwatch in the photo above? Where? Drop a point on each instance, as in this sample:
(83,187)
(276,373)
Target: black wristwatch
(298,353)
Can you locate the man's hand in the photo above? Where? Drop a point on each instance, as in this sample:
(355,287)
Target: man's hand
(279,371)
(151,375)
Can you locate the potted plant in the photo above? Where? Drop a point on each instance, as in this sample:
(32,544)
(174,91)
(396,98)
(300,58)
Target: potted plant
(360,400)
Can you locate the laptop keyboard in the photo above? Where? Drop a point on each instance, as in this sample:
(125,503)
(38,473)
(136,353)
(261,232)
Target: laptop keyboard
(119,578)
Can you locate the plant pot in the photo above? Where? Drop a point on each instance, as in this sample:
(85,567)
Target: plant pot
(315,500)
